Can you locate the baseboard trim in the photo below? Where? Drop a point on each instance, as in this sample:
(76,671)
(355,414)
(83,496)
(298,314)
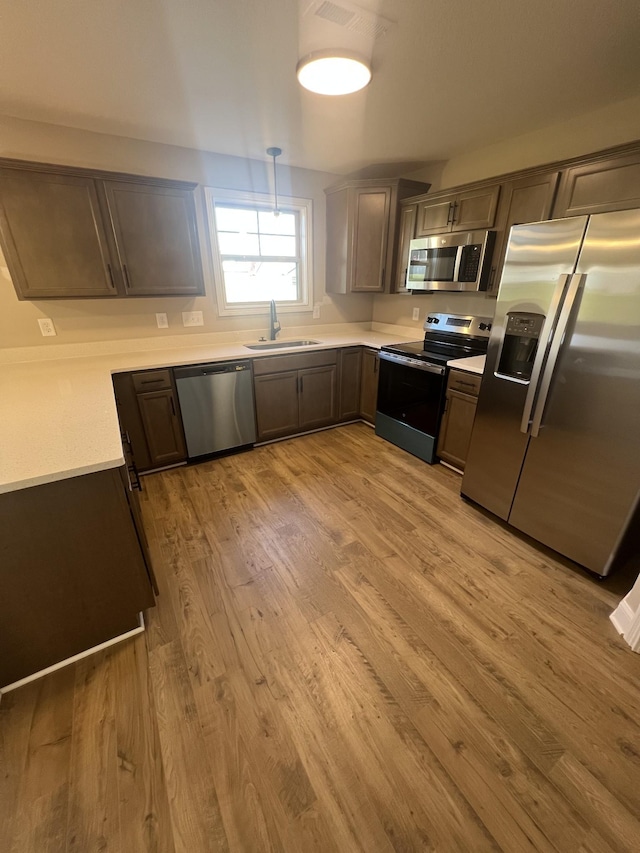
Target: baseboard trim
(627,623)
(92,651)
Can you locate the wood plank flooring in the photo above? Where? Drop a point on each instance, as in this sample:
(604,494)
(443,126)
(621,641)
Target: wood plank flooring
(345,656)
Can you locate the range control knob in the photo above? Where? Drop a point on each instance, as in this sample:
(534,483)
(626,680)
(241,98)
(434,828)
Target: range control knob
(432,320)
(485,326)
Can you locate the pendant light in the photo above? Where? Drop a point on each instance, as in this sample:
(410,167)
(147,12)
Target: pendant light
(333,72)
(275,152)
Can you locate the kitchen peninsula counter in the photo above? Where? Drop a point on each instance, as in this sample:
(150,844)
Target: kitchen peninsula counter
(58,415)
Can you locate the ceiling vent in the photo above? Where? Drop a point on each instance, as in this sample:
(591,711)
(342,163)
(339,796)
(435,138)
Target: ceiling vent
(350,17)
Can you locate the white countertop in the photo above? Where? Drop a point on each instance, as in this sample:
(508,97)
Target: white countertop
(58,415)
(472,364)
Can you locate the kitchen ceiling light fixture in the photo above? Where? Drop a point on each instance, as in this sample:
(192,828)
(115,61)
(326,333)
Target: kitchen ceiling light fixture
(333,72)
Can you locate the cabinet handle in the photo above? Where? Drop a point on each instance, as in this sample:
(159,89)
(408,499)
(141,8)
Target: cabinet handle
(301,385)
(450,213)
(126,276)
(173,408)
(134,477)
(150,381)
(453,212)
(111,281)
(375,364)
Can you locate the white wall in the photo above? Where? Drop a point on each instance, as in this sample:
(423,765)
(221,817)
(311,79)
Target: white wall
(615,124)
(96,320)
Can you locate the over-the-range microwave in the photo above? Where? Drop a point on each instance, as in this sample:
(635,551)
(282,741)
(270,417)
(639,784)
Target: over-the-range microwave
(450,261)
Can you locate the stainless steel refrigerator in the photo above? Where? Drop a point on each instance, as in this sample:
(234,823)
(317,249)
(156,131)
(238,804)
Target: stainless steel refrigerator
(555,448)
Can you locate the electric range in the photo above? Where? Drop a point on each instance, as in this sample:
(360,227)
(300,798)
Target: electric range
(412,381)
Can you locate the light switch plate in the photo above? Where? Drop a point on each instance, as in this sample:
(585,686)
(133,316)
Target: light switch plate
(46,327)
(316,311)
(192,318)
(416,314)
(162,321)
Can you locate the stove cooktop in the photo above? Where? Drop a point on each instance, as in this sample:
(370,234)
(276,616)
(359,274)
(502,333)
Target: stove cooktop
(447,336)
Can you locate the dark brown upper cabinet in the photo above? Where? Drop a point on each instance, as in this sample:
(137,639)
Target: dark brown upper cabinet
(156,238)
(467,210)
(362,233)
(72,234)
(609,183)
(527,199)
(54,237)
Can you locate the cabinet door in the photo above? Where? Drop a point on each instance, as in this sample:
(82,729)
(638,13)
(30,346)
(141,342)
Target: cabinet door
(407,230)
(455,430)
(162,426)
(131,420)
(276,404)
(369,385)
(528,199)
(157,238)
(350,369)
(53,236)
(475,209)
(434,217)
(611,184)
(369,239)
(317,397)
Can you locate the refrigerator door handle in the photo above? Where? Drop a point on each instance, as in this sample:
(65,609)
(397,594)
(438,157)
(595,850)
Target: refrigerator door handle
(543,348)
(577,283)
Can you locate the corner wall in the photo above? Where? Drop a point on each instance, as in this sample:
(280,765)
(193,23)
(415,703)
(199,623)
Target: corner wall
(78,321)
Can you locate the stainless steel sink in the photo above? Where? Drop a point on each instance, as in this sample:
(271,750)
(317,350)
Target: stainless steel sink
(281,344)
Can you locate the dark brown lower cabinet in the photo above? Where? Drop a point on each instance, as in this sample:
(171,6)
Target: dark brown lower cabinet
(457,422)
(295,401)
(317,397)
(73,573)
(149,414)
(350,372)
(276,404)
(162,427)
(369,385)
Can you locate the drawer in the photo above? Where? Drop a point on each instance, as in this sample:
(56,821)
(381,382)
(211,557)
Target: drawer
(298,361)
(465,383)
(151,380)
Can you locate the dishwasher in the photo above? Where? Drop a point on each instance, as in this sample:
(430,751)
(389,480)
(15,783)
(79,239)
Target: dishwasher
(217,407)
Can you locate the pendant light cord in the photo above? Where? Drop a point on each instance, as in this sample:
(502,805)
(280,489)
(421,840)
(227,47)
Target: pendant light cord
(275,152)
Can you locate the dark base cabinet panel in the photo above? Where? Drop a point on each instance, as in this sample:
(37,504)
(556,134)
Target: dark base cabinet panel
(369,385)
(317,398)
(72,572)
(350,371)
(276,404)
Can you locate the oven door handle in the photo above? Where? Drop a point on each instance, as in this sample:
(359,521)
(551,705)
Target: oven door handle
(412,362)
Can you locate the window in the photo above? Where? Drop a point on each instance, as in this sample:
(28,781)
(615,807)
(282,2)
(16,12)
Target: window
(258,255)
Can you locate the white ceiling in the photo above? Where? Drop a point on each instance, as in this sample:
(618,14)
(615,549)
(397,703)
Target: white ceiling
(219,75)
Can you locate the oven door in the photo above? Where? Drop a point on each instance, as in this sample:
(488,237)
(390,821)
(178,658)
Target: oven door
(410,402)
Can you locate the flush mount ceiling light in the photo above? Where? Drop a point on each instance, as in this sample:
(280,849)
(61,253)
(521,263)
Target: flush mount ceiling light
(333,72)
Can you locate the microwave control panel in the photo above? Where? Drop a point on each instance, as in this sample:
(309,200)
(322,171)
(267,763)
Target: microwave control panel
(470,262)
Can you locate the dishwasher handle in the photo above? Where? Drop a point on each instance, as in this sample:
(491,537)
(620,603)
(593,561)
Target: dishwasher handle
(211,369)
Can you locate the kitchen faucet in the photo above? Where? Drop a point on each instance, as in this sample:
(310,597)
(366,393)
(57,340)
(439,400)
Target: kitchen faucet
(274,325)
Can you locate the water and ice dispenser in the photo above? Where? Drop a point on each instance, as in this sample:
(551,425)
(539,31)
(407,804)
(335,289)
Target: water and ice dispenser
(519,345)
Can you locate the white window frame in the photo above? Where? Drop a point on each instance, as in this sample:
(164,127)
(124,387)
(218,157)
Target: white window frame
(304,208)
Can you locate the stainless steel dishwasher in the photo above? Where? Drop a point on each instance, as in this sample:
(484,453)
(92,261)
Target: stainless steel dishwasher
(217,406)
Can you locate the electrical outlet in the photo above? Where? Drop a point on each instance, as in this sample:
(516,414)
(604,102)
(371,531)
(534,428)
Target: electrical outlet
(192,318)
(162,321)
(416,314)
(316,311)
(47,328)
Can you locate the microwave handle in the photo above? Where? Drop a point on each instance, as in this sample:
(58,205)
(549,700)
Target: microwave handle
(456,268)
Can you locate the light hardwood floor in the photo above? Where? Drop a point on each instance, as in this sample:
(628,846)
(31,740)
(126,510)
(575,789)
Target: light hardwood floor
(345,656)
